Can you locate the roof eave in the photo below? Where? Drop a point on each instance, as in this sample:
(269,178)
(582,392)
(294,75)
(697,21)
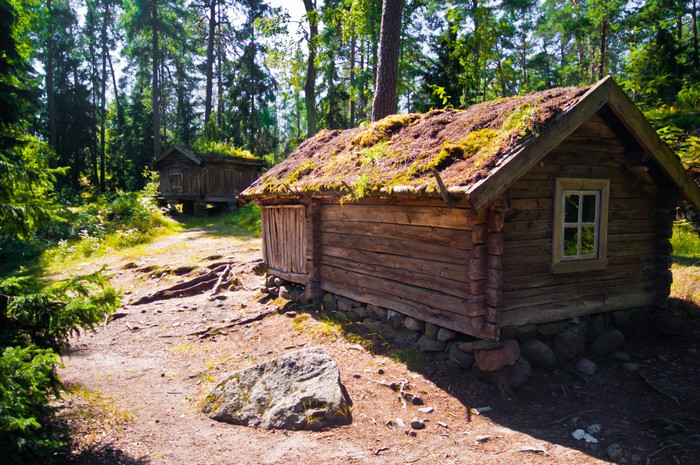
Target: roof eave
(522,159)
(640,128)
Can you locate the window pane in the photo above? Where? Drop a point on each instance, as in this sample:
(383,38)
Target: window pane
(588,241)
(570,241)
(571,208)
(588,209)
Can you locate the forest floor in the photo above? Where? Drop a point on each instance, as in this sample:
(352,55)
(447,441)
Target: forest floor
(137,383)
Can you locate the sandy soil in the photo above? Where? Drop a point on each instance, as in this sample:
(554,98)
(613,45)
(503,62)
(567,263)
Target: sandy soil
(139,380)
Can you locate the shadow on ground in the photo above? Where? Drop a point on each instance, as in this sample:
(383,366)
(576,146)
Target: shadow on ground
(103,454)
(648,406)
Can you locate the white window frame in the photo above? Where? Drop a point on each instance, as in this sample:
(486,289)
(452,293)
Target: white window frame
(562,263)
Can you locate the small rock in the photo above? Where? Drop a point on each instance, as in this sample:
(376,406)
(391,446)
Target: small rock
(303,299)
(411,433)
(445,335)
(483,438)
(429,345)
(412,324)
(538,354)
(444,425)
(459,358)
(497,359)
(431,331)
(570,342)
(376,313)
(417,400)
(357,376)
(329,302)
(425,410)
(622,357)
(630,367)
(380,371)
(395,319)
(277,281)
(615,452)
(400,423)
(285,292)
(608,342)
(595,428)
(586,367)
(344,305)
(518,374)
(417,423)
(635,459)
(692,350)
(472,346)
(361,311)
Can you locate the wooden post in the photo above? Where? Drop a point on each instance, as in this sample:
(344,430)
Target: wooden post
(313,238)
(494,274)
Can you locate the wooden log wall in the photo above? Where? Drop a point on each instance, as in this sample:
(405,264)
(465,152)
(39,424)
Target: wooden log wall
(531,293)
(178,163)
(227,179)
(284,240)
(414,257)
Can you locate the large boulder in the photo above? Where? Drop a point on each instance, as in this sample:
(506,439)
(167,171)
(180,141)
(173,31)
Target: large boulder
(299,390)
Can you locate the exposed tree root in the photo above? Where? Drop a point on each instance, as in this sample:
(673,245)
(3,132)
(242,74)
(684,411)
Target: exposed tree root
(214,280)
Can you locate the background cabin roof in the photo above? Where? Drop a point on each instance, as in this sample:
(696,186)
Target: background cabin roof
(200,158)
(477,153)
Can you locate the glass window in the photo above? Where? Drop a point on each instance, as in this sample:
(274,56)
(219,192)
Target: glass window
(580,229)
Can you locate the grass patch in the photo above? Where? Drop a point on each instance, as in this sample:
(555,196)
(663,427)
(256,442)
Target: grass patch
(323,330)
(243,223)
(414,359)
(686,266)
(686,244)
(95,411)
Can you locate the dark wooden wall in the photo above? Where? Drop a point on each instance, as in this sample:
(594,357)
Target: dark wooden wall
(531,293)
(220,181)
(178,163)
(412,257)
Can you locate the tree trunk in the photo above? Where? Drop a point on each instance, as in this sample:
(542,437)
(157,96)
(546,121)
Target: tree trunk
(603,48)
(385,100)
(219,77)
(351,122)
(155,91)
(310,84)
(50,95)
(120,112)
(103,99)
(210,61)
(696,52)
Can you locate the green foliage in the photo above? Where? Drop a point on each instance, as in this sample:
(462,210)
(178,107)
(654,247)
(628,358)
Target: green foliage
(27,383)
(36,320)
(686,242)
(246,221)
(49,315)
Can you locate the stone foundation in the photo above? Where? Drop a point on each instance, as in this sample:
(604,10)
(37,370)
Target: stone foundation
(520,348)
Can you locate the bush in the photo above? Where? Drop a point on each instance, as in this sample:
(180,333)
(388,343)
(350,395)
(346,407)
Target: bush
(27,383)
(36,320)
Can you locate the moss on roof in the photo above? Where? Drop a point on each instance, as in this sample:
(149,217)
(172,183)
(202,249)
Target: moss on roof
(403,150)
(213,149)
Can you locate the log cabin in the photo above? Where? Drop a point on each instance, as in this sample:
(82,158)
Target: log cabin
(195,179)
(531,209)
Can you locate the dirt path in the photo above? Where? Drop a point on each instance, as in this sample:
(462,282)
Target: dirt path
(152,368)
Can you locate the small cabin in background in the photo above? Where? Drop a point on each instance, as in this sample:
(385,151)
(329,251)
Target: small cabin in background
(524,210)
(195,179)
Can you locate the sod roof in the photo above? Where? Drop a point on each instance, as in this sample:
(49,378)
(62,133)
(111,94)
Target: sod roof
(476,152)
